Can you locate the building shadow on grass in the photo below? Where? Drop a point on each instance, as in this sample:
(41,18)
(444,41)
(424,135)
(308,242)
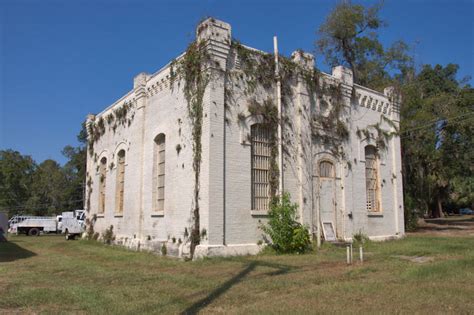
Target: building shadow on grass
(279,269)
(10,251)
(452,221)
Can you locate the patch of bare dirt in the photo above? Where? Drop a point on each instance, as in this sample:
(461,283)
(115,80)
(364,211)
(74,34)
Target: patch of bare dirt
(416,259)
(449,226)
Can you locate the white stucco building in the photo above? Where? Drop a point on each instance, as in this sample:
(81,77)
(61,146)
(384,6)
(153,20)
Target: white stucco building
(140,160)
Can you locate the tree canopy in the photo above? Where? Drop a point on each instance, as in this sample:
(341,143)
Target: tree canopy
(46,188)
(436,129)
(349,37)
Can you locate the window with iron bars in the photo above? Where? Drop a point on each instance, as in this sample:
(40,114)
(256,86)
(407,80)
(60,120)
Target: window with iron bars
(372,179)
(261,162)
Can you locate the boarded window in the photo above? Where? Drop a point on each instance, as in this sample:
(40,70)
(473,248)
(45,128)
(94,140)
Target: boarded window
(326,169)
(120,185)
(372,179)
(102,181)
(261,156)
(159,173)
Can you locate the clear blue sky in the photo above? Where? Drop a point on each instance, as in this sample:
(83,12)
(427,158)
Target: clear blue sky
(60,60)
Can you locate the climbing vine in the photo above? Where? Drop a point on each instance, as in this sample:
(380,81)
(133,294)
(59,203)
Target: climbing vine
(120,116)
(190,69)
(257,69)
(376,132)
(269,114)
(89,192)
(327,125)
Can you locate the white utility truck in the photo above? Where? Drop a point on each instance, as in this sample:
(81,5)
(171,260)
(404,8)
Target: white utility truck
(34,225)
(73,223)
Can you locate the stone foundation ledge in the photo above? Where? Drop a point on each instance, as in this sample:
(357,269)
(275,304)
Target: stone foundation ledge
(380,238)
(182,250)
(154,246)
(202,251)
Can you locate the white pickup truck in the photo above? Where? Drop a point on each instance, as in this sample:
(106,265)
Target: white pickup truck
(34,225)
(73,223)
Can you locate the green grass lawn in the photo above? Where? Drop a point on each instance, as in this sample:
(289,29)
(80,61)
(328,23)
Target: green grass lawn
(48,274)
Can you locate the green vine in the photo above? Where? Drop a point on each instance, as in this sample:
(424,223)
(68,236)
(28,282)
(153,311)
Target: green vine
(269,114)
(89,192)
(329,128)
(122,115)
(191,70)
(382,136)
(257,69)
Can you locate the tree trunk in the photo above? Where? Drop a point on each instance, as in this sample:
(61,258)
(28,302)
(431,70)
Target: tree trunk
(437,211)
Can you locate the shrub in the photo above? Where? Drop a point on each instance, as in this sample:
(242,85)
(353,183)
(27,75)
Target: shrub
(411,214)
(286,233)
(360,239)
(90,227)
(109,235)
(164,250)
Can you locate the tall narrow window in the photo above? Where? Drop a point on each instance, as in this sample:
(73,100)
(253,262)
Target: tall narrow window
(102,181)
(261,155)
(120,184)
(372,179)
(326,169)
(159,176)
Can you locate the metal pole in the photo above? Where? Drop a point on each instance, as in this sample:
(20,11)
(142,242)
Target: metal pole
(352,256)
(348,254)
(278,96)
(361,254)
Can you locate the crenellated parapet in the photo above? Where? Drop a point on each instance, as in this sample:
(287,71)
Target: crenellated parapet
(365,97)
(346,79)
(217,37)
(396,100)
(159,82)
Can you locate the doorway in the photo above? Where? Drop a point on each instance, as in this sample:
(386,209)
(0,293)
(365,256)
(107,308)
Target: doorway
(325,191)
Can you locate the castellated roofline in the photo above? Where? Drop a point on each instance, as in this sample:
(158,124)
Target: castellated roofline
(218,33)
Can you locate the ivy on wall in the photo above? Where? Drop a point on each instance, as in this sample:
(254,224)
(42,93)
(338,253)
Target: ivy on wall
(191,70)
(257,70)
(121,116)
(379,134)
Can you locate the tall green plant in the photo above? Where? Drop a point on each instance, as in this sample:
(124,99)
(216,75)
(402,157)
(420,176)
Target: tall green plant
(286,233)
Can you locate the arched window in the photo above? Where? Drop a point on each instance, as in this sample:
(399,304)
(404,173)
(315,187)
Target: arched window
(372,183)
(159,173)
(102,181)
(326,169)
(120,184)
(261,155)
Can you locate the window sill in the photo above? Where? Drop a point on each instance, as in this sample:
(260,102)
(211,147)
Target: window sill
(118,215)
(101,215)
(158,214)
(257,213)
(375,215)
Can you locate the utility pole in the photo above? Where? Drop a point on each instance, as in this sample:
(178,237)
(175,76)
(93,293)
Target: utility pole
(278,97)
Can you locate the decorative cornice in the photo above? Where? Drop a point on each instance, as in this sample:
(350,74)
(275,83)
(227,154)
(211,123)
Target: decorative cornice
(373,101)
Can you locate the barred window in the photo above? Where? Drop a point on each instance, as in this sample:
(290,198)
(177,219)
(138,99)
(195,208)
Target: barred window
(261,155)
(326,169)
(120,184)
(372,179)
(102,181)
(159,170)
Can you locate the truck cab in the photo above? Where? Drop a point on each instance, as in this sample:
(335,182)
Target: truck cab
(73,223)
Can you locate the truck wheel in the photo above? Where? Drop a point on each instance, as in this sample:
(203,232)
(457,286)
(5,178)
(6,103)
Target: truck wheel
(33,232)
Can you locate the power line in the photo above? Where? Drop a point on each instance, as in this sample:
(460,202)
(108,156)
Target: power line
(428,126)
(448,119)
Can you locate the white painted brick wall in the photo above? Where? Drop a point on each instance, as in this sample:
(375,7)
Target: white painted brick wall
(226,213)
